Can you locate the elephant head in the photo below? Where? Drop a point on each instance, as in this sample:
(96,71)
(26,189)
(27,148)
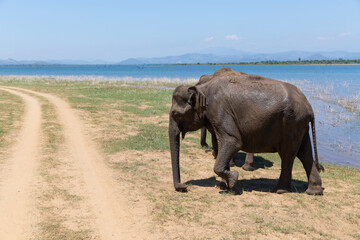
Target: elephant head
(186,114)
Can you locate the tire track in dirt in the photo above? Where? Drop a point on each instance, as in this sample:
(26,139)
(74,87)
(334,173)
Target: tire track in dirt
(16,210)
(113,218)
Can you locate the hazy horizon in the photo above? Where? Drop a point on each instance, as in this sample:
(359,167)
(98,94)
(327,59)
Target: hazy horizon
(203,51)
(112,31)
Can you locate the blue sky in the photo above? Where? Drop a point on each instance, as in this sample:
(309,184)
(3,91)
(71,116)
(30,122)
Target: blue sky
(115,30)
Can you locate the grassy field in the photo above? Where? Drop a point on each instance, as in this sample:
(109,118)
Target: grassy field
(129,123)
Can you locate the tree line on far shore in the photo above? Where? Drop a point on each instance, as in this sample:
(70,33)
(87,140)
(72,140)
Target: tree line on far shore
(273,62)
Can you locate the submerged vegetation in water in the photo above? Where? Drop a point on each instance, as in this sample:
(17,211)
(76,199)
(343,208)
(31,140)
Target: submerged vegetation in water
(352,104)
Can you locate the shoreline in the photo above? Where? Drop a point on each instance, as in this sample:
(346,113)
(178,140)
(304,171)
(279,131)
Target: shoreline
(261,63)
(254,64)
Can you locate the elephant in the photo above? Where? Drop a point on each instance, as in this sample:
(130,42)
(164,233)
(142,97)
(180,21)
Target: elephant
(249,113)
(249,160)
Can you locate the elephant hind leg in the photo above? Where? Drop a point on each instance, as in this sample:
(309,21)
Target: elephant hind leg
(306,158)
(287,162)
(249,162)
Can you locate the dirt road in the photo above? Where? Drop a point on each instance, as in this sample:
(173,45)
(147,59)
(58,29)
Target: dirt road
(18,174)
(113,218)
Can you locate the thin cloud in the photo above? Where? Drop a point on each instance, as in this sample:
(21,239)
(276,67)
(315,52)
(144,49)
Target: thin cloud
(208,39)
(322,38)
(232,37)
(344,34)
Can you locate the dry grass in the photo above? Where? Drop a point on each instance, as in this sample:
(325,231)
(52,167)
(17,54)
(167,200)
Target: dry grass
(12,109)
(62,214)
(131,126)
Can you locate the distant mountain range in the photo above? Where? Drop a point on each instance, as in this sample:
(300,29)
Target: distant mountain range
(234,56)
(210,55)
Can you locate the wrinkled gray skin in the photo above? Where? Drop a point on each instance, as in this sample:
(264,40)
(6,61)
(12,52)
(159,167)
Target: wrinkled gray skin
(249,160)
(249,113)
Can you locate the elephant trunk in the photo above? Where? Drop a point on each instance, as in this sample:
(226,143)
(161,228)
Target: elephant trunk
(174,138)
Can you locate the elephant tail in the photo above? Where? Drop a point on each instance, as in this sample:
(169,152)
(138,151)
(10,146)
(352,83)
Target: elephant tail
(317,163)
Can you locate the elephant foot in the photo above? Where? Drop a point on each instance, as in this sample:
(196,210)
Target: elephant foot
(281,189)
(204,145)
(180,187)
(232,163)
(315,190)
(248,167)
(222,185)
(232,178)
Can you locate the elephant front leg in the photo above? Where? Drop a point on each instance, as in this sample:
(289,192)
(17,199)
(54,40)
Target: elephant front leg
(249,162)
(215,150)
(222,169)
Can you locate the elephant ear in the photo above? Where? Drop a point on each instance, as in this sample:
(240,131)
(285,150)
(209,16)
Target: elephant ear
(197,100)
(193,96)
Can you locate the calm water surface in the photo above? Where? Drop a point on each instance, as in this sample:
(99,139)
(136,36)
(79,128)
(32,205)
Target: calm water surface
(329,89)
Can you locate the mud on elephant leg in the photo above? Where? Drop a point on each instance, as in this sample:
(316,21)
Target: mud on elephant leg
(306,158)
(222,169)
(249,162)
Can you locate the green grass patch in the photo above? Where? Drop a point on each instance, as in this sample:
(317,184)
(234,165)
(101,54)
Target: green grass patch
(150,137)
(356,235)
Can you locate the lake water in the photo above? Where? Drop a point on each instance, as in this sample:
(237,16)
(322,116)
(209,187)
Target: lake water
(331,89)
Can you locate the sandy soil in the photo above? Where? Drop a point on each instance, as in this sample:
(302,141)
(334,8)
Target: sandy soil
(113,217)
(16,204)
